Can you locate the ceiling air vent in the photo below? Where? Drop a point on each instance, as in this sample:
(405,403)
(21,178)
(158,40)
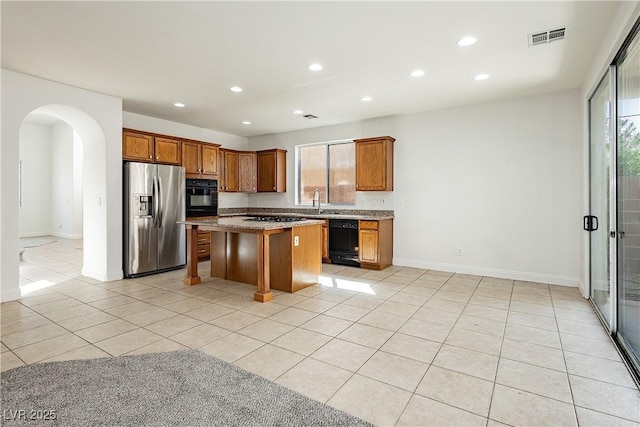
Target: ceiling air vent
(538,38)
(556,34)
(310,116)
(544,37)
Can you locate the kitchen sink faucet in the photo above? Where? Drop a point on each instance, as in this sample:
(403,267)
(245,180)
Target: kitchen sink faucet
(313,199)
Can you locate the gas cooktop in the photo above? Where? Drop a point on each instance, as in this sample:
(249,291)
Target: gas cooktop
(276,218)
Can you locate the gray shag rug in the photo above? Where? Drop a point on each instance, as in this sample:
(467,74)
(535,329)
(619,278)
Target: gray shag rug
(186,388)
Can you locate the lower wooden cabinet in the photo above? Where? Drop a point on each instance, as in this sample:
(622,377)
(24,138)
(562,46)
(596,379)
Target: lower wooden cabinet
(204,244)
(375,238)
(325,242)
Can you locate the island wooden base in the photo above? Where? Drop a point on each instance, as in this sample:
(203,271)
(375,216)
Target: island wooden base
(286,259)
(192,277)
(235,256)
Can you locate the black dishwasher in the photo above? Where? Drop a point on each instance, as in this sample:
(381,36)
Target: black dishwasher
(343,242)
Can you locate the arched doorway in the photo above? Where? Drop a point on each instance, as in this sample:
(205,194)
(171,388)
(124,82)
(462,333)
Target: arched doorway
(50,199)
(97,118)
(94,182)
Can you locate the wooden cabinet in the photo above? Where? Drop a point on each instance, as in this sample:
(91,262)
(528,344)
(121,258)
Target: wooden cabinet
(272,171)
(168,151)
(325,242)
(228,167)
(247,172)
(137,146)
(375,239)
(148,147)
(374,164)
(209,157)
(200,159)
(204,244)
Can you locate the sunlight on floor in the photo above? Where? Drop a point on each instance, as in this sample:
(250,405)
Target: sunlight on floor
(35,286)
(350,285)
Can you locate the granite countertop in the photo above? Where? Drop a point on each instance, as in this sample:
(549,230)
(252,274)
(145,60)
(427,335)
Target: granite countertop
(240,222)
(366,215)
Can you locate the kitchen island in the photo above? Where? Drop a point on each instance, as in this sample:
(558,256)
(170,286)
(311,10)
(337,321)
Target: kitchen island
(271,255)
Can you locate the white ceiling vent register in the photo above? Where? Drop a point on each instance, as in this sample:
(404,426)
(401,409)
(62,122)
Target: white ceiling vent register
(549,36)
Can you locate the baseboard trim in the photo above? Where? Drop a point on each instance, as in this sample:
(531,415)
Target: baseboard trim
(491,272)
(66,235)
(35,234)
(109,276)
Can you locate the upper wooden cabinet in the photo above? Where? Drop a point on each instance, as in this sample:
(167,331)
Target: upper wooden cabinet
(374,164)
(146,147)
(272,170)
(228,165)
(210,154)
(168,151)
(137,146)
(200,159)
(247,172)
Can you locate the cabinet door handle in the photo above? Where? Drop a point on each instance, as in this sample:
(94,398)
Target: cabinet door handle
(151,157)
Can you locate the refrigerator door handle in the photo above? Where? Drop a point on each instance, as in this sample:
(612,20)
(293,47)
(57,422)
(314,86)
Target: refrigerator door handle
(160,202)
(155,202)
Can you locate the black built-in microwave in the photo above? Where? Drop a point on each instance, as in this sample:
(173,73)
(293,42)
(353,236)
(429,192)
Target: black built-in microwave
(201,197)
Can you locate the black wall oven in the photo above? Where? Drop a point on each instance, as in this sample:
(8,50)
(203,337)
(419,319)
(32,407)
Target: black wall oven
(201,197)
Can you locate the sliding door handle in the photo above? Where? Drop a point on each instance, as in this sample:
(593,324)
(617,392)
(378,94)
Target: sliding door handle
(590,223)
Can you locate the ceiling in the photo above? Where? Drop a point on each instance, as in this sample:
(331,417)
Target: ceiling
(153,54)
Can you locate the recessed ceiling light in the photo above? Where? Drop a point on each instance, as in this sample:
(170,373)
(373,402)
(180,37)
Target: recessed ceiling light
(481,77)
(297,112)
(236,89)
(179,105)
(467,41)
(246,122)
(417,73)
(315,67)
(366,99)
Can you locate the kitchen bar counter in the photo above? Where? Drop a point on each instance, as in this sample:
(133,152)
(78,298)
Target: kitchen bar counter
(370,215)
(241,251)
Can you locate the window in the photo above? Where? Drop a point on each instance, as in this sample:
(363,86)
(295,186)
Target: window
(330,168)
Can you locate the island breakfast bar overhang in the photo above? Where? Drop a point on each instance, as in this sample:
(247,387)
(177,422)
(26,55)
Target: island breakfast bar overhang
(241,251)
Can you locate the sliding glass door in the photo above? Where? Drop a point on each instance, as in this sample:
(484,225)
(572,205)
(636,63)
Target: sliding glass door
(600,179)
(628,199)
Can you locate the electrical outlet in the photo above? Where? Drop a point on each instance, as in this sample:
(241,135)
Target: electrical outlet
(296,240)
(460,252)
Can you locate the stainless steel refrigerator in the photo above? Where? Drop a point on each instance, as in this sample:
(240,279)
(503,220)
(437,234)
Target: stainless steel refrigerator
(153,203)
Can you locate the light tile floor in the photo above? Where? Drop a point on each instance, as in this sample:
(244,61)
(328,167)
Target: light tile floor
(402,346)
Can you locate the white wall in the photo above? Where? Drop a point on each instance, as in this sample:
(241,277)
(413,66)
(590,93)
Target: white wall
(501,180)
(98,120)
(165,127)
(78,155)
(35,155)
(52,181)
(61,180)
